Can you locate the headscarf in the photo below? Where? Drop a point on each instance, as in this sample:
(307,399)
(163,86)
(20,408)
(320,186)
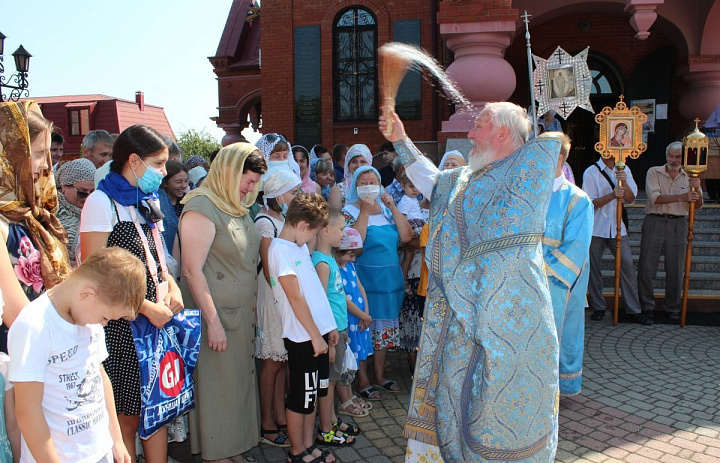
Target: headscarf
(222,184)
(196,174)
(70,173)
(278,182)
(194,161)
(355,150)
(313,169)
(79,170)
(353,197)
(351,239)
(267,143)
(308,184)
(313,154)
(26,201)
(455,154)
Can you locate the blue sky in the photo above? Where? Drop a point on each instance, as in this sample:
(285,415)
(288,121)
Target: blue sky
(116,47)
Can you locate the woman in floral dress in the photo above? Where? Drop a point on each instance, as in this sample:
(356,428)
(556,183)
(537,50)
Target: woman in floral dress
(35,257)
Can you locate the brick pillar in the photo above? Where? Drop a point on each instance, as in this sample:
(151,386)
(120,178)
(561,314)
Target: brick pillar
(477,32)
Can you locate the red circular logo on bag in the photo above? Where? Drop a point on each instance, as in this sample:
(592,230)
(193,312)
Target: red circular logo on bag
(172,374)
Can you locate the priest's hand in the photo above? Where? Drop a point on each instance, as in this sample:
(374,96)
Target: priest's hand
(398,129)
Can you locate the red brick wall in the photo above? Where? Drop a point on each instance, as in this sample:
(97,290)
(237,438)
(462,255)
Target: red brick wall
(281,16)
(461,11)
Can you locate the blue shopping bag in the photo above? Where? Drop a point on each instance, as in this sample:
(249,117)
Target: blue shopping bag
(167,360)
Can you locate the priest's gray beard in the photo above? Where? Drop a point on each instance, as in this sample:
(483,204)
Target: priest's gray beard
(479,158)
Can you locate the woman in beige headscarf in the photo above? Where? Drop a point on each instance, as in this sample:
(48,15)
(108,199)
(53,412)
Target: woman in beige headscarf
(219,269)
(34,258)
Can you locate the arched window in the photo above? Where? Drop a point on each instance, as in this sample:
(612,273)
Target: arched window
(355,65)
(605,78)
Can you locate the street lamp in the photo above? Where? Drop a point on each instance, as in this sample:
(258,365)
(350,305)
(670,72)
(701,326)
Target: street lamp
(17,83)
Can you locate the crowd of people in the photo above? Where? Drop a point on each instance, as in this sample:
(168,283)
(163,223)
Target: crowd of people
(208,236)
(313,265)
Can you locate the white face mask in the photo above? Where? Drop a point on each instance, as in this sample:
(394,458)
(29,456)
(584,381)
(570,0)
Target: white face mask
(279,164)
(368,193)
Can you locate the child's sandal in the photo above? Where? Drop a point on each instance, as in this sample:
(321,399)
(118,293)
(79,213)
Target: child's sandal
(351,429)
(280,441)
(351,408)
(324,454)
(361,403)
(334,437)
(299,457)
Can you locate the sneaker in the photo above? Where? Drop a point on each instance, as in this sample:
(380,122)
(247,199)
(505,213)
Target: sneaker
(597,315)
(640,319)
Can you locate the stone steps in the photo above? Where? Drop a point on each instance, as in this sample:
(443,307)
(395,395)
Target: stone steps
(700,264)
(705,267)
(698,280)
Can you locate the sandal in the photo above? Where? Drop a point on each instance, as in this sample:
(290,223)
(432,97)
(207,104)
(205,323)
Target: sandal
(370,393)
(350,408)
(351,429)
(299,458)
(324,454)
(389,385)
(281,427)
(280,441)
(334,437)
(361,403)
(243,459)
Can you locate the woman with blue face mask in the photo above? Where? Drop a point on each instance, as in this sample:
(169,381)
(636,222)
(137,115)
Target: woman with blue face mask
(382,227)
(124,211)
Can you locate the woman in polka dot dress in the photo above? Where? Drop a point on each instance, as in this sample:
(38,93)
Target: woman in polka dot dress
(124,212)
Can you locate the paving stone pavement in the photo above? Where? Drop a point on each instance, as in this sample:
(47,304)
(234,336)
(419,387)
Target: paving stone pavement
(650,394)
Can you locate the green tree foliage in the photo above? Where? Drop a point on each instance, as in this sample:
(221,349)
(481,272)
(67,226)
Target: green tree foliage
(197,143)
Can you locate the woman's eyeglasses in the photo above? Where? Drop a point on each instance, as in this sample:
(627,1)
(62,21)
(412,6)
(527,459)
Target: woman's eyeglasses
(82,194)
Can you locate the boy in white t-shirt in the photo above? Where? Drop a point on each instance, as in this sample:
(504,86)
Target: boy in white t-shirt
(64,401)
(308,325)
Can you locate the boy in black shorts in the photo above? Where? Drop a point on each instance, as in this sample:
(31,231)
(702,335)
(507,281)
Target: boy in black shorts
(307,321)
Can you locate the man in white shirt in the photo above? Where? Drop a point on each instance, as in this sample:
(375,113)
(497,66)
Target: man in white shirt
(600,182)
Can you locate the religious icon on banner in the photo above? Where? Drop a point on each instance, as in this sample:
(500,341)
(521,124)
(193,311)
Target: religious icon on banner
(562,82)
(621,131)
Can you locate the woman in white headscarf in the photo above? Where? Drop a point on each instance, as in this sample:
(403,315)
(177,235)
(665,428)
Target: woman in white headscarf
(357,156)
(452,160)
(279,188)
(277,152)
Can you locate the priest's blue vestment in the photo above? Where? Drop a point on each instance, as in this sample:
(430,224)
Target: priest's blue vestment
(486,381)
(566,243)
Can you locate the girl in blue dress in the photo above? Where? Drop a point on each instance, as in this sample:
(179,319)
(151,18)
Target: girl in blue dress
(359,318)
